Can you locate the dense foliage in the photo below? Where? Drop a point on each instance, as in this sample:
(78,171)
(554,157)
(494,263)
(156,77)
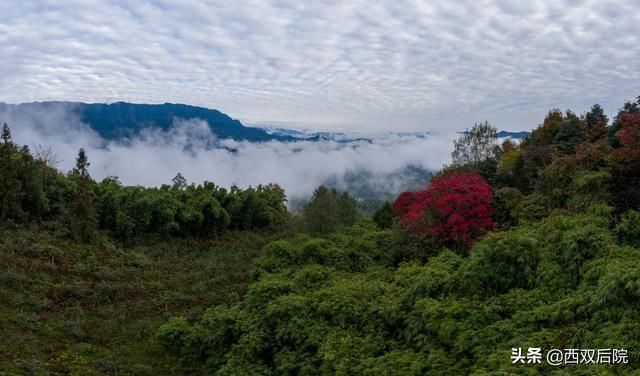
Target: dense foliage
(31,191)
(342,306)
(205,210)
(89,271)
(558,271)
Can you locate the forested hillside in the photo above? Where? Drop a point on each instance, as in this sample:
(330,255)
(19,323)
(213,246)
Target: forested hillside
(530,245)
(533,244)
(90,270)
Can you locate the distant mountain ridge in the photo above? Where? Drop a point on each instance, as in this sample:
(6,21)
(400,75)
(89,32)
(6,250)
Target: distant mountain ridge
(355,137)
(122,119)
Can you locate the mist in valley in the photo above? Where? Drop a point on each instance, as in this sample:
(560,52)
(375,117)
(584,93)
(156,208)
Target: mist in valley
(377,166)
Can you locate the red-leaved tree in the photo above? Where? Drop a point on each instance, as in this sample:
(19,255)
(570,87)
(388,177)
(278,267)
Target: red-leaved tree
(403,204)
(625,187)
(629,137)
(456,208)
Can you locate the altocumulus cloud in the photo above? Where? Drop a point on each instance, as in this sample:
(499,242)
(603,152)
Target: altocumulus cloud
(155,156)
(422,65)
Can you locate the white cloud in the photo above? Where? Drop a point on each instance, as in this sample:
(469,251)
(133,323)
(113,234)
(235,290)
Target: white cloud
(362,65)
(189,147)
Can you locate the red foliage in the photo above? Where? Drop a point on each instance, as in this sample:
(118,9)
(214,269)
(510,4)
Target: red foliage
(455,208)
(403,202)
(629,137)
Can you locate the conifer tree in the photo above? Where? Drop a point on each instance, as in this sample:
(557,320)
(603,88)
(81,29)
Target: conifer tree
(596,116)
(347,210)
(596,122)
(383,217)
(320,213)
(9,184)
(33,200)
(83,220)
(329,210)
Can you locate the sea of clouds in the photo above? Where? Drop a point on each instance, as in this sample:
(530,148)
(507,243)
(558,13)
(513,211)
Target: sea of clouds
(155,156)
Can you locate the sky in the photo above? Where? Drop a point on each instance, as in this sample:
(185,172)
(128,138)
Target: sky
(346,65)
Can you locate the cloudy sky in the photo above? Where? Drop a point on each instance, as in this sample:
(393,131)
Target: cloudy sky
(356,65)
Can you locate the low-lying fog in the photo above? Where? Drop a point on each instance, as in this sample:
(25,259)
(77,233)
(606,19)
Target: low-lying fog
(154,157)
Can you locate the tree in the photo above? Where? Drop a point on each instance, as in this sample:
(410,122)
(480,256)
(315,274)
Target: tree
(347,211)
(456,209)
(383,217)
(46,155)
(9,183)
(6,134)
(329,210)
(629,138)
(569,135)
(179,181)
(631,107)
(476,145)
(626,171)
(596,122)
(546,132)
(83,221)
(320,214)
(595,117)
(404,202)
(506,201)
(535,158)
(31,176)
(82,165)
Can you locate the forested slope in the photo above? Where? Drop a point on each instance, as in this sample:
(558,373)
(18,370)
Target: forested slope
(90,270)
(346,305)
(513,246)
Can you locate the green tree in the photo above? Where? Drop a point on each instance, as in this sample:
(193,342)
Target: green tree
(31,174)
(320,214)
(546,132)
(83,216)
(179,181)
(347,210)
(9,184)
(596,122)
(596,116)
(505,201)
(476,145)
(328,210)
(569,135)
(383,217)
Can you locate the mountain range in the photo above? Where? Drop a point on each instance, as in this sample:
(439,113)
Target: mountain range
(125,120)
(122,119)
